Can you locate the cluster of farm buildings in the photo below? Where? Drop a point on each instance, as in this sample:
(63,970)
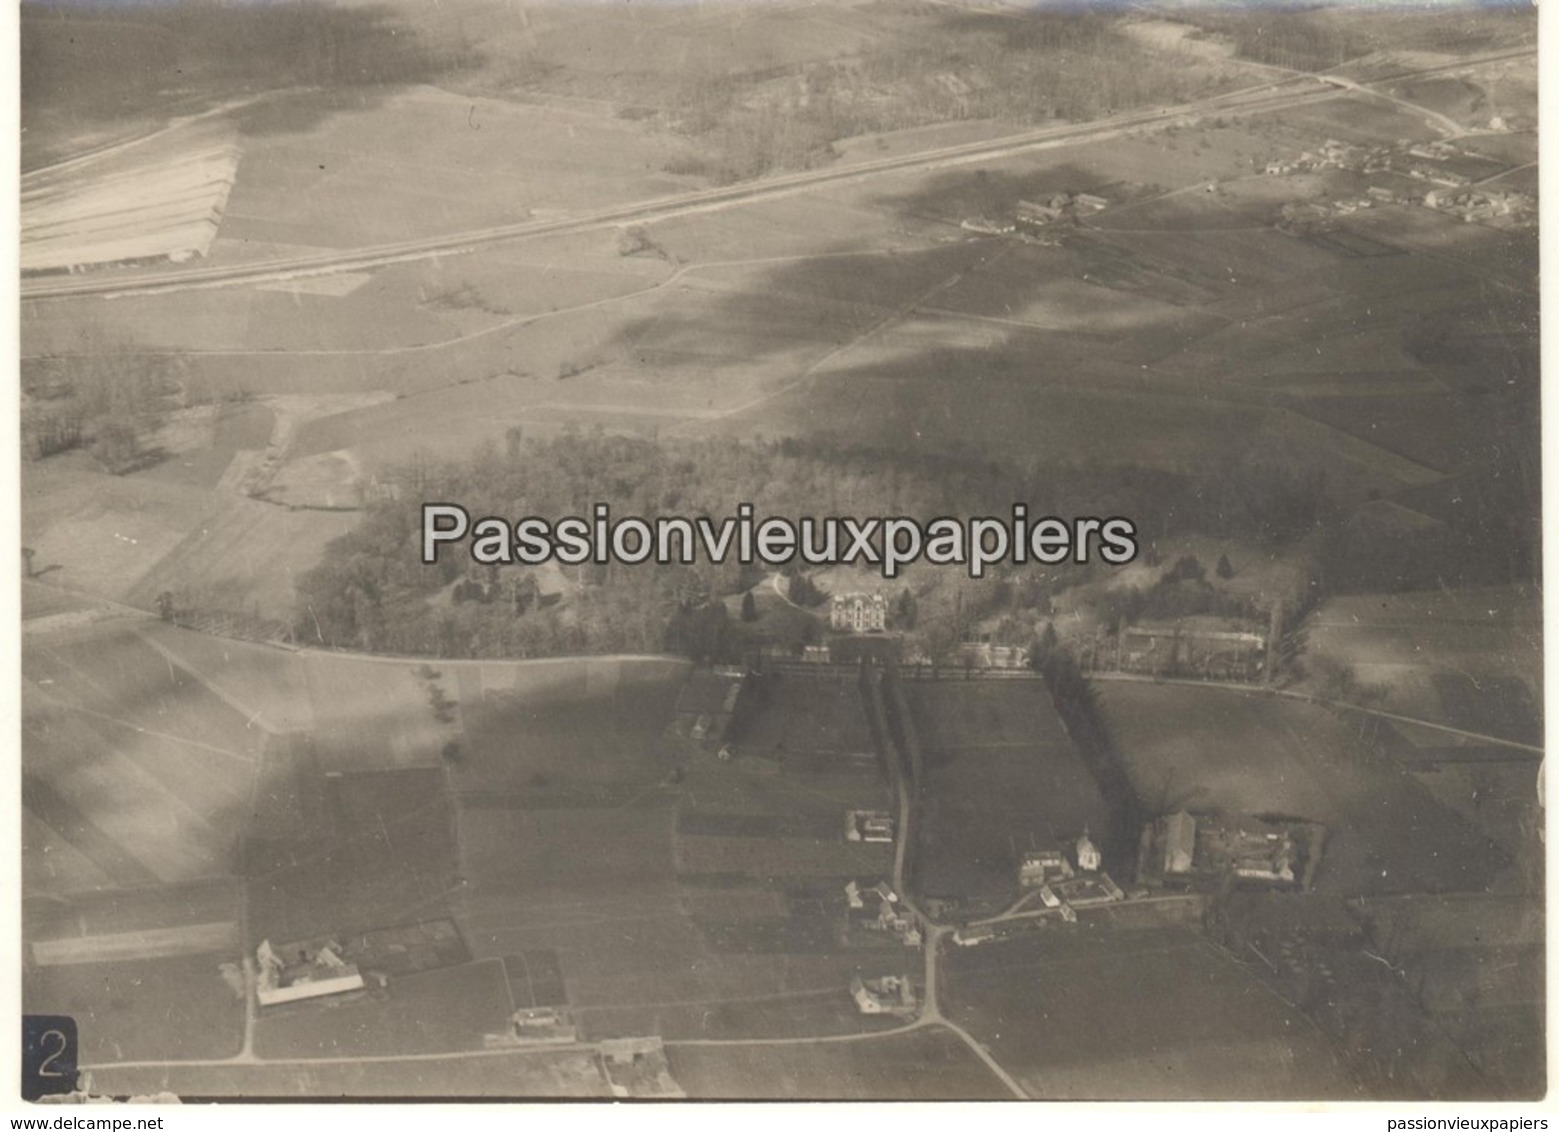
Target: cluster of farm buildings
(1200,646)
(1030,216)
(325,967)
(1185,851)
(1402,172)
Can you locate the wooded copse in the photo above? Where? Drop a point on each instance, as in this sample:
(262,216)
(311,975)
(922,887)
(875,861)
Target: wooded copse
(373,592)
(104,397)
(1047,66)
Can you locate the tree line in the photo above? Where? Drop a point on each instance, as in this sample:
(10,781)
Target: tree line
(1028,69)
(105,398)
(372,592)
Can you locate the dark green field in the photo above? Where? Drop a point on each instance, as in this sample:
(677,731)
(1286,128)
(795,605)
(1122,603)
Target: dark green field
(1001,778)
(944,1070)
(1083,1012)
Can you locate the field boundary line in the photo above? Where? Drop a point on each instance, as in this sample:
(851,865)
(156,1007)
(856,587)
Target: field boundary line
(813,992)
(251,716)
(888,319)
(443,661)
(238,1061)
(1320,701)
(512,323)
(826,1039)
(234,755)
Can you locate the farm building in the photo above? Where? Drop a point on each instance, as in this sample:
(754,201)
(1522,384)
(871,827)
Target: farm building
(890,994)
(1434,151)
(539,1024)
(858,612)
(858,896)
(879,909)
(1214,849)
(1041,867)
(1036,214)
(1479,207)
(1255,854)
(1201,646)
(311,974)
(1084,891)
(979,654)
(1179,843)
(637,1067)
(988,227)
(974,936)
(873,826)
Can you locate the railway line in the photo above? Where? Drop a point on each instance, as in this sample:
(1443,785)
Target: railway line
(1278,94)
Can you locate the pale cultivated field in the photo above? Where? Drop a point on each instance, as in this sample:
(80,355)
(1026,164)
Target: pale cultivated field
(133,761)
(350,179)
(1407,641)
(163,199)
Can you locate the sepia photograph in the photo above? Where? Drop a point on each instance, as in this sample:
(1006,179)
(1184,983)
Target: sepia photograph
(757,550)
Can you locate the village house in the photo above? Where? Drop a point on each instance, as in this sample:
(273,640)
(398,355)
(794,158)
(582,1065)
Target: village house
(890,994)
(1042,866)
(879,909)
(871,826)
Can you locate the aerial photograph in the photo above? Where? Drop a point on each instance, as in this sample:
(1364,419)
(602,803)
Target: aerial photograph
(833,550)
